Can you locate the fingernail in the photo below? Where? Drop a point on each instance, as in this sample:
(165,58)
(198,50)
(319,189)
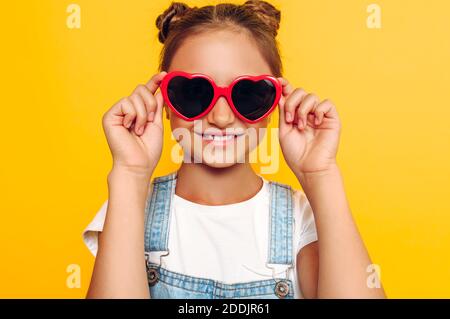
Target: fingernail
(151,116)
(317,121)
(128,125)
(288,116)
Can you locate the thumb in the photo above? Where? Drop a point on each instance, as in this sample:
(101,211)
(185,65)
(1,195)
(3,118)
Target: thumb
(157,122)
(159,108)
(281,117)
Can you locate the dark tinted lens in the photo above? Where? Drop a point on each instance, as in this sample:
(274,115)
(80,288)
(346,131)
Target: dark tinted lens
(190,97)
(253,99)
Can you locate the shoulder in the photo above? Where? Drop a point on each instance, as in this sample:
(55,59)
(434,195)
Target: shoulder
(301,207)
(304,223)
(90,233)
(95,226)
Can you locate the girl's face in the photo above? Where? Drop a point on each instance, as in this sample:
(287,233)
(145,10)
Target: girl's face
(223,55)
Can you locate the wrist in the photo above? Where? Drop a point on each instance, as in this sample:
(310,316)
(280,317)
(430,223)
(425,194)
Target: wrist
(132,171)
(308,178)
(127,193)
(137,175)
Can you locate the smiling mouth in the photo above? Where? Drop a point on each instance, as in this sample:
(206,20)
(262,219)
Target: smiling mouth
(218,138)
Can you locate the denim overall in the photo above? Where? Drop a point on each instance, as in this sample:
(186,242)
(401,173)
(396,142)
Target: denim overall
(166,284)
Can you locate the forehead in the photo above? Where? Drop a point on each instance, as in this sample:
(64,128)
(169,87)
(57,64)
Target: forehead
(223,55)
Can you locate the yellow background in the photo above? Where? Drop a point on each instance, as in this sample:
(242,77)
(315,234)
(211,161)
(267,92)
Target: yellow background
(391,88)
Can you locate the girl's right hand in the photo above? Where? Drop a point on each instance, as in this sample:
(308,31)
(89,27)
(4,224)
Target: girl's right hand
(134,128)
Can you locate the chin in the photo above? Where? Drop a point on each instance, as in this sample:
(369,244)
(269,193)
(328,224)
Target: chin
(221,161)
(219,165)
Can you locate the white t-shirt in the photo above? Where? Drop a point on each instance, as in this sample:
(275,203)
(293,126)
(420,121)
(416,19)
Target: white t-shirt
(228,243)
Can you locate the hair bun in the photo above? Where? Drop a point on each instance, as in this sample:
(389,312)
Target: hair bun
(266,12)
(171,15)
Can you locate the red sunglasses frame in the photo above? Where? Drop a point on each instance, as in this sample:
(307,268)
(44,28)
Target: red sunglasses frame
(221,91)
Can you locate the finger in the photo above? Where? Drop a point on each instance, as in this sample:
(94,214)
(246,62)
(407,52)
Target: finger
(159,107)
(325,107)
(291,104)
(281,112)
(287,87)
(155,81)
(307,106)
(141,112)
(149,101)
(128,112)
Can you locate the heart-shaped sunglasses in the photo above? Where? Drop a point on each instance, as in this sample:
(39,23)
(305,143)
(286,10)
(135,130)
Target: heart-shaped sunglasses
(192,96)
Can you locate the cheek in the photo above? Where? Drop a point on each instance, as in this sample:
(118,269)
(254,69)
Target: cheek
(179,123)
(263,124)
(259,128)
(181,129)
(256,133)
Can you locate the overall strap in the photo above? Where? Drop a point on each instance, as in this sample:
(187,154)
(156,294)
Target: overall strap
(281,221)
(157,213)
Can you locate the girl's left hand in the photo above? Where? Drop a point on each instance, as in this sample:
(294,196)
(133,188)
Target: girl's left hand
(308,146)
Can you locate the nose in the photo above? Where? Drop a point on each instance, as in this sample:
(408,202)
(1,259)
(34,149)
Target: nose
(221,114)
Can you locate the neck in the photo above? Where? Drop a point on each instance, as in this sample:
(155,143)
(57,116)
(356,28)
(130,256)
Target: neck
(206,185)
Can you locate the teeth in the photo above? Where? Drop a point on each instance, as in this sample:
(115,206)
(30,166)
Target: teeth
(210,137)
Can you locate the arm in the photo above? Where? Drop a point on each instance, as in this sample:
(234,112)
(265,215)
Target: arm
(307,270)
(309,132)
(343,258)
(119,270)
(134,131)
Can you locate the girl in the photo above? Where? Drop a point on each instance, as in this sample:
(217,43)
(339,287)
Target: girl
(215,228)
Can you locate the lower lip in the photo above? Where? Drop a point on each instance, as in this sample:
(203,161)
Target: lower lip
(221,142)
